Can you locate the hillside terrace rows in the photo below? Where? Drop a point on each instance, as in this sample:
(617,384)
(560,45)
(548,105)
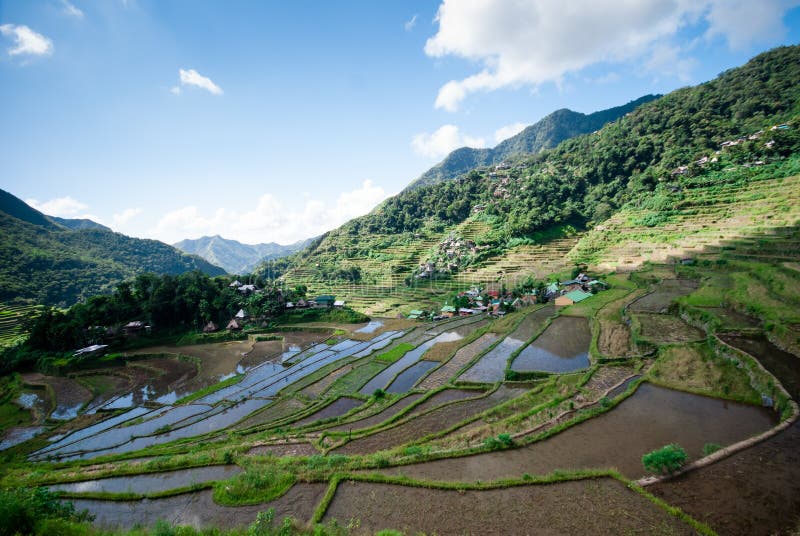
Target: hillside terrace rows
(704,225)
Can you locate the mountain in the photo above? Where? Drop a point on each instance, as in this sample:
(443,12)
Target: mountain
(486,225)
(544,134)
(235,257)
(41,261)
(78,224)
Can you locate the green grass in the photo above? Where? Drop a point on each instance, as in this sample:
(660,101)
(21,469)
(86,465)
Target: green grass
(395,353)
(695,368)
(256,484)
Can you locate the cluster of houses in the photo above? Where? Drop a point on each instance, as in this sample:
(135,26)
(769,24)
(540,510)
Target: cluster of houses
(238,321)
(495,303)
(682,170)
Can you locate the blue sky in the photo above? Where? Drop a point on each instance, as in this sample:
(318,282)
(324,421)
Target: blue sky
(275,121)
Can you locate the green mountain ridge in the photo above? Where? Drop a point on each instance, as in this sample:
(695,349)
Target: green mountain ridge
(546,200)
(43,262)
(544,134)
(234,256)
(77,224)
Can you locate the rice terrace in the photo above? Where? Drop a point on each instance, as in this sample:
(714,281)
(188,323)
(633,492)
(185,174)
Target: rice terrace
(592,327)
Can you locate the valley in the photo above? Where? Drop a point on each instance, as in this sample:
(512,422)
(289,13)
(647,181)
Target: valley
(602,337)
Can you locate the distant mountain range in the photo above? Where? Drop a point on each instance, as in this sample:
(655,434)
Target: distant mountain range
(235,257)
(547,133)
(58,261)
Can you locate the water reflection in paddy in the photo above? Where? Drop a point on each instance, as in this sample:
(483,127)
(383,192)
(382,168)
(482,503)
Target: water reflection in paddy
(563,347)
(149,483)
(651,418)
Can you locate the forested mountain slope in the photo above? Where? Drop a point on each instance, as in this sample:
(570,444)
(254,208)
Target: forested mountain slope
(544,134)
(577,185)
(42,262)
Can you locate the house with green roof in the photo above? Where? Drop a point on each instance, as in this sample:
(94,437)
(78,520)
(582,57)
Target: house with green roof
(415,313)
(326,300)
(571,297)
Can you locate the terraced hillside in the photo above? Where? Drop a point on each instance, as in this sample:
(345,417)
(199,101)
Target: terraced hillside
(12,322)
(756,218)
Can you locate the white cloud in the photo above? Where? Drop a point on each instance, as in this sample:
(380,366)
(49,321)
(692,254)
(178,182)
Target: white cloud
(26,41)
(71,10)
(190,77)
(503,133)
(530,42)
(63,207)
(409,24)
(175,90)
(126,215)
(442,141)
(271,219)
(666,60)
(742,22)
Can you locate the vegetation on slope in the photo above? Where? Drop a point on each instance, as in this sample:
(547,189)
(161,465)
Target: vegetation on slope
(43,263)
(544,134)
(583,181)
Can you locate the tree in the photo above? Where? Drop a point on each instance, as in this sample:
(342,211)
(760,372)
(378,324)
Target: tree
(665,460)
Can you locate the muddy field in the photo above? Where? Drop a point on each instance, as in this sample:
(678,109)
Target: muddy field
(150,483)
(663,295)
(754,492)
(651,418)
(278,410)
(335,409)
(602,506)
(378,418)
(69,395)
(429,423)
(199,509)
(285,449)
(615,339)
(664,329)
(464,355)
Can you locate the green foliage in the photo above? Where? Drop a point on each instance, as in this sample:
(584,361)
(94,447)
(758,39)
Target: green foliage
(665,460)
(257,484)
(53,265)
(710,448)
(23,510)
(378,394)
(502,441)
(395,353)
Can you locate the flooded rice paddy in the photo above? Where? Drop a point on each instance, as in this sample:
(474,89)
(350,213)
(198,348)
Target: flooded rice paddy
(199,510)
(336,409)
(412,356)
(491,367)
(755,491)
(140,428)
(460,359)
(378,418)
(420,426)
(601,506)
(562,347)
(785,366)
(663,294)
(149,483)
(406,379)
(651,418)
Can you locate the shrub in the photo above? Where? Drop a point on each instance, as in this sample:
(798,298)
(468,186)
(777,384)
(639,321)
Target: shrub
(22,509)
(710,448)
(665,460)
(379,393)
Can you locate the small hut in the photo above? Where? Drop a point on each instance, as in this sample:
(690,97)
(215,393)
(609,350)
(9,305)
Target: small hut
(234,325)
(211,327)
(241,315)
